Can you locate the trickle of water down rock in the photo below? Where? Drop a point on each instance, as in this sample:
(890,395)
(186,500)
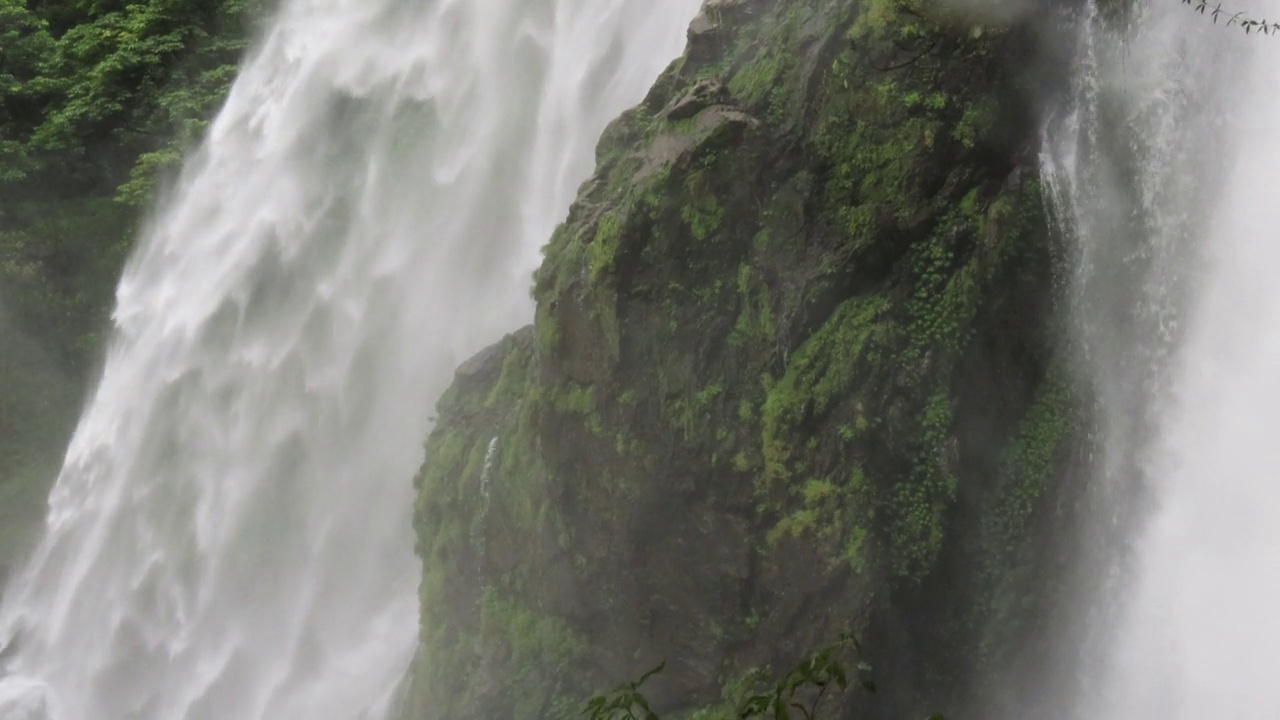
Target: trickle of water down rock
(230,535)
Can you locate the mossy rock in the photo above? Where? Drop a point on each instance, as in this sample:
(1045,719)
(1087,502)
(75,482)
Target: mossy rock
(792,373)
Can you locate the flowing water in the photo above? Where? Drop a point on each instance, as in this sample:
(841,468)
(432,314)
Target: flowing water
(1165,170)
(230,535)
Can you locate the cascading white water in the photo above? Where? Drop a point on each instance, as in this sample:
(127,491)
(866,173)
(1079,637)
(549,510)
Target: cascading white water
(1167,172)
(230,537)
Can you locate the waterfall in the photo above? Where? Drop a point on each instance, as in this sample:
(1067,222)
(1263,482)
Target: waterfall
(230,534)
(1163,170)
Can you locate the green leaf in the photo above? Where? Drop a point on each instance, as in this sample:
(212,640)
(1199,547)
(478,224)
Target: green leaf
(643,678)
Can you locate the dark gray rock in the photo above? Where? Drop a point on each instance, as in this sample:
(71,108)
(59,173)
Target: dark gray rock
(703,94)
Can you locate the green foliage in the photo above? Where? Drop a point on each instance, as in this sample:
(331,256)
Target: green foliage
(874,158)
(974,123)
(578,400)
(919,502)
(604,246)
(1238,18)
(1029,463)
(704,216)
(26,44)
(820,371)
(758,79)
(626,702)
(755,323)
(143,76)
(703,213)
(547,328)
(534,639)
(801,691)
(886,17)
(799,694)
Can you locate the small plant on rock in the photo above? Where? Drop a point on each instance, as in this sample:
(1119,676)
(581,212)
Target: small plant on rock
(797,695)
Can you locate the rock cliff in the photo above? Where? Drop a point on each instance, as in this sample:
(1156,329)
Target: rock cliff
(794,371)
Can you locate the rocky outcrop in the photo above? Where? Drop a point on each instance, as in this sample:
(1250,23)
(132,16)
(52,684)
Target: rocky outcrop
(792,373)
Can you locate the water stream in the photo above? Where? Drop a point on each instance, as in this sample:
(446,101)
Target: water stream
(1165,171)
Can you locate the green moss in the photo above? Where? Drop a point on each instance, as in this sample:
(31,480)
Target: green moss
(874,162)
(540,650)
(687,126)
(704,217)
(829,371)
(690,414)
(447,449)
(855,549)
(978,117)
(604,246)
(605,314)
(513,381)
(824,368)
(548,331)
(944,299)
(1030,461)
(919,502)
(703,213)
(834,512)
(755,323)
(901,20)
(579,400)
(758,79)
(708,394)
(793,526)
(528,633)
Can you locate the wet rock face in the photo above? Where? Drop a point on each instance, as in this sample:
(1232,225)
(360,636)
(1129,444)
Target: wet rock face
(792,373)
(704,93)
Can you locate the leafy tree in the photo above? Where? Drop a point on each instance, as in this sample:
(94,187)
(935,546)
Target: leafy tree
(27,43)
(129,85)
(97,99)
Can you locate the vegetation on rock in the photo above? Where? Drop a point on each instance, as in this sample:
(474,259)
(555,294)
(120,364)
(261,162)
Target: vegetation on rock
(798,694)
(793,369)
